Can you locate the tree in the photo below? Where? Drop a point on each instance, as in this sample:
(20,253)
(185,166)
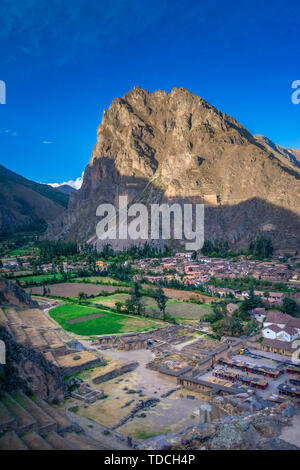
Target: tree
(44,290)
(119,306)
(252,302)
(134,304)
(161,300)
(228,326)
(220,308)
(81,296)
(290,306)
(262,247)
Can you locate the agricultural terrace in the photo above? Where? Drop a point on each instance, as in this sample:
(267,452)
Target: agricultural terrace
(88,320)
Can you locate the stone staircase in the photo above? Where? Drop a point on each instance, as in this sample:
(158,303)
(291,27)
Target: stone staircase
(30,423)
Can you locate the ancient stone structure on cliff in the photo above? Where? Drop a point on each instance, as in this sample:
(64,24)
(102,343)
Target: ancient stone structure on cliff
(12,294)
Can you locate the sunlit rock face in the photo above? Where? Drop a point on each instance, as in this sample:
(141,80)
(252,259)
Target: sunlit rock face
(160,146)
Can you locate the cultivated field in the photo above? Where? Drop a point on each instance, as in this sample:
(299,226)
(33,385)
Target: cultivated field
(87,321)
(109,300)
(71,289)
(179,294)
(186,310)
(176,308)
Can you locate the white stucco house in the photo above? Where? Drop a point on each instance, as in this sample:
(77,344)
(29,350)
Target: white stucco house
(282,327)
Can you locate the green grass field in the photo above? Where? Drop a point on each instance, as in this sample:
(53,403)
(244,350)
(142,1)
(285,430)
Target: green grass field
(39,278)
(109,300)
(24,251)
(69,316)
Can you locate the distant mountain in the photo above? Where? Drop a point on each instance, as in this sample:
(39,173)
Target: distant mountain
(76,184)
(26,205)
(175,147)
(65,188)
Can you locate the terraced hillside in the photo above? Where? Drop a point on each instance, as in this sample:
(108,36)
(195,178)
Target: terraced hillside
(30,423)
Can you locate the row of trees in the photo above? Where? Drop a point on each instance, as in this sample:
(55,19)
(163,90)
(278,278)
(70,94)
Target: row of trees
(260,247)
(134,304)
(50,249)
(148,250)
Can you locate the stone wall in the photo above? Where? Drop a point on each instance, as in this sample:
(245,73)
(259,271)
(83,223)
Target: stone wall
(115,372)
(72,370)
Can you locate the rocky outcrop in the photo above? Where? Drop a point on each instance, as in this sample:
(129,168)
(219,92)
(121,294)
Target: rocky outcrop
(26,369)
(176,147)
(14,295)
(252,431)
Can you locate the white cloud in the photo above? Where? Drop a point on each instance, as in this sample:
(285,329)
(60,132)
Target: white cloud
(8,132)
(74,183)
(47,142)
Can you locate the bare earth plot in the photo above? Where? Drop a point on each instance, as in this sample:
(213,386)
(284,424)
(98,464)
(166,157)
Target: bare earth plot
(186,295)
(71,289)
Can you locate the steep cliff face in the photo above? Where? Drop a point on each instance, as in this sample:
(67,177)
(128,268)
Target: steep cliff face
(26,369)
(156,147)
(12,294)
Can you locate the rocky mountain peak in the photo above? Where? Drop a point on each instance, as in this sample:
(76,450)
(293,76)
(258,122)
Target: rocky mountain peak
(175,146)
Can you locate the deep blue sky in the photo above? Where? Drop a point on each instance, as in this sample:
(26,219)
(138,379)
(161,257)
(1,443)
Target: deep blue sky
(63,63)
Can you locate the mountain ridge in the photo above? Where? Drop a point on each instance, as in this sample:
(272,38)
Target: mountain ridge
(26,205)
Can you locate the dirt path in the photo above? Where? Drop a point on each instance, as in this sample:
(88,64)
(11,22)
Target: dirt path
(180,346)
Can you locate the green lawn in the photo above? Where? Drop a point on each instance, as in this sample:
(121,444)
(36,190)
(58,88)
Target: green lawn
(107,323)
(24,251)
(39,278)
(109,300)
